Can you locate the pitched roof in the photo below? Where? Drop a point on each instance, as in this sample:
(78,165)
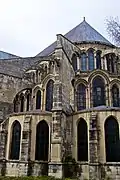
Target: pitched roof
(6,55)
(81,33)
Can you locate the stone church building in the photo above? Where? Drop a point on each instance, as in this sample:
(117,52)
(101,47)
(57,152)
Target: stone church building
(64,101)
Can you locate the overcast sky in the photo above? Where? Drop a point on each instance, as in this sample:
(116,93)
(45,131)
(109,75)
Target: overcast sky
(28,26)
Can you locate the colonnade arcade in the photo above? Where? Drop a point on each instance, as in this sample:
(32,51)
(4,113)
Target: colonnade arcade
(26,101)
(97,93)
(91,59)
(111,133)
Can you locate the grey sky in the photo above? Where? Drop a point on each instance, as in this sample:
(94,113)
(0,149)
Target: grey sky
(28,26)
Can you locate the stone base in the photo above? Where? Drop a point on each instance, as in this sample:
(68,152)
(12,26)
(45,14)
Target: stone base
(91,171)
(55,169)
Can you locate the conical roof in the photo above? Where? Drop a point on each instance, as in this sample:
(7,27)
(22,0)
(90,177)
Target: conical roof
(81,33)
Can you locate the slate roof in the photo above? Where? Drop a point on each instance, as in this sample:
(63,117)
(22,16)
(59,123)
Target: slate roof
(5,55)
(81,33)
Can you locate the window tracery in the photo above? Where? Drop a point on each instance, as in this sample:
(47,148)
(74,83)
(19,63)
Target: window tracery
(81,97)
(98,91)
(90,59)
(83,62)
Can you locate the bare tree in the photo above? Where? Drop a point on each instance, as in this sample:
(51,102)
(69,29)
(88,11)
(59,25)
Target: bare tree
(113,28)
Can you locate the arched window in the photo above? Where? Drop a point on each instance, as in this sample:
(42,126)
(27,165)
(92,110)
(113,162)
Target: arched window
(81,97)
(82,141)
(90,60)
(28,101)
(42,141)
(115,96)
(110,62)
(16,103)
(38,100)
(49,95)
(112,140)
(83,62)
(22,103)
(15,141)
(74,62)
(98,91)
(98,59)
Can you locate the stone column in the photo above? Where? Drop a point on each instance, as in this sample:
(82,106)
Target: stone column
(26,143)
(105,62)
(78,63)
(93,148)
(55,165)
(95,67)
(3,140)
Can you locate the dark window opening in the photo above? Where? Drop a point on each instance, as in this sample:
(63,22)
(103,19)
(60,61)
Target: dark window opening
(90,60)
(110,58)
(115,96)
(16,103)
(49,95)
(22,103)
(112,140)
(98,92)
(74,62)
(83,62)
(98,60)
(28,101)
(81,97)
(82,141)
(42,141)
(38,100)
(15,142)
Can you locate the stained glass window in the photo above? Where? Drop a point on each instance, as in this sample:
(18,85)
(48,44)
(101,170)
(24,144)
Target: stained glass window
(49,95)
(22,103)
(28,101)
(16,103)
(83,62)
(112,140)
(38,100)
(81,97)
(90,60)
(82,141)
(15,141)
(42,141)
(98,92)
(98,60)
(115,96)
(74,62)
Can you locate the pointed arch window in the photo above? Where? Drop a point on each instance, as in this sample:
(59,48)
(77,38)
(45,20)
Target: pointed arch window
(38,100)
(115,96)
(98,59)
(74,62)
(42,141)
(81,97)
(110,62)
(98,92)
(90,60)
(28,101)
(83,62)
(16,104)
(82,141)
(22,103)
(15,141)
(112,140)
(49,95)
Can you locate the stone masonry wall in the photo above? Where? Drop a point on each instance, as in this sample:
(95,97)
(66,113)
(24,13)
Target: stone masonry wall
(9,87)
